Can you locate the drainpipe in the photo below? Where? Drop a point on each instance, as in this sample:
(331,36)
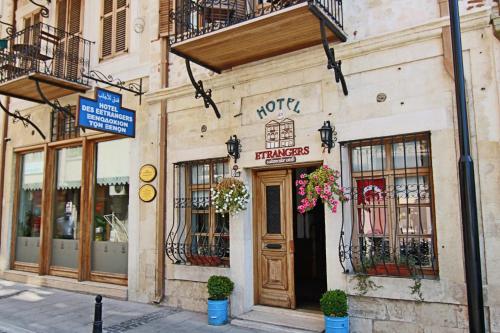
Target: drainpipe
(470,229)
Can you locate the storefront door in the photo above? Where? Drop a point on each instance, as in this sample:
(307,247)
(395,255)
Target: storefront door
(274,238)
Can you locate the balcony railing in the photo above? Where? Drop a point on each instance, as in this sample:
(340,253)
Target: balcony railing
(43,49)
(196,18)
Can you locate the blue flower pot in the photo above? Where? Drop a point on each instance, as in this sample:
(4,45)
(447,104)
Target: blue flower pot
(336,324)
(217,312)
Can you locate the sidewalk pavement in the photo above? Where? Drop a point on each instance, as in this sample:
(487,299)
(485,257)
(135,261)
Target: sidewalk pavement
(27,309)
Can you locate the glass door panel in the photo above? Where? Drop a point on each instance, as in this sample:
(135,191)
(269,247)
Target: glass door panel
(66,221)
(111,198)
(29,214)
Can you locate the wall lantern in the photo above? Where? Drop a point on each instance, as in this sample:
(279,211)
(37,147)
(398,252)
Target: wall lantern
(234,147)
(328,135)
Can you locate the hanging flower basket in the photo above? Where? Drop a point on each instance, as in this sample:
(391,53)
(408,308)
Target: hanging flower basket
(230,196)
(321,184)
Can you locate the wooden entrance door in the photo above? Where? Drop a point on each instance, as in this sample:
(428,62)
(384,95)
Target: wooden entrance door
(274,239)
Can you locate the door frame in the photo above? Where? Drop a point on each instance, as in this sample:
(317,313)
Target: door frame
(255,236)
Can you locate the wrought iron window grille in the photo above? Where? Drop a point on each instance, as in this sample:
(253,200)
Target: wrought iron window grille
(63,126)
(197,235)
(388,225)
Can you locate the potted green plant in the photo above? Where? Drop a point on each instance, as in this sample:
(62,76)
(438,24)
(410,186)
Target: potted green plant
(334,306)
(219,289)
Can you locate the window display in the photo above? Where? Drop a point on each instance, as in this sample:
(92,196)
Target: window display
(111,196)
(66,224)
(29,215)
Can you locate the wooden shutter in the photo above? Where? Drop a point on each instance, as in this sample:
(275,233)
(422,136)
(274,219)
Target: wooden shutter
(107,29)
(121,26)
(114,27)
(165,25)
(75,17)
(75,29)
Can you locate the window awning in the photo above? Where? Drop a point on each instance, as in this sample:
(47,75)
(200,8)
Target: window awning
(32,171)
(113,162)
(69,168)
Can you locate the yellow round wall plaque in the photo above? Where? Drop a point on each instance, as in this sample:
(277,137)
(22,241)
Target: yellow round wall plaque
(147,173)
(147,193)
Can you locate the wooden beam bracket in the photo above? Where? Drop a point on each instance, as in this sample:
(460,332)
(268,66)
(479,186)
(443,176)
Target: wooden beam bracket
(201,92)
(25,120)
(332,63)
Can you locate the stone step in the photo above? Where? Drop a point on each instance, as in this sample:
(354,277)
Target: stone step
(280,320)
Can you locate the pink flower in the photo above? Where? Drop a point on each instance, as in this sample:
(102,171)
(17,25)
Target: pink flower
(318,189)
(303,175)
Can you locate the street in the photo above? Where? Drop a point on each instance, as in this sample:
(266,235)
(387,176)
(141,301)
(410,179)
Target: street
(28,309)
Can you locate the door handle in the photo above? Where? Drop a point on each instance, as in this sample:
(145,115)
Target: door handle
(273,246)
(292,246)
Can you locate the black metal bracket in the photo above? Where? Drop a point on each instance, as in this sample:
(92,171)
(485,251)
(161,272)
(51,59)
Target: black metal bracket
(24,119)
(201,92)
(100,77)
(44,11)
(332,63)
(54,105)
(10,28)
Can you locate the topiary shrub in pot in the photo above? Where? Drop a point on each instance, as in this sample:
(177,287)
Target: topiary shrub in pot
(219,289)
(334,306)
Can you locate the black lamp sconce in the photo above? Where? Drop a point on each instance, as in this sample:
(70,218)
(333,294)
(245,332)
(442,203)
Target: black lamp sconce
(328,135)
(234,147)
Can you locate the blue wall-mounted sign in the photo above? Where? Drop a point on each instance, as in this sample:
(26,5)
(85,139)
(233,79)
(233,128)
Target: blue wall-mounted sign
(106,114)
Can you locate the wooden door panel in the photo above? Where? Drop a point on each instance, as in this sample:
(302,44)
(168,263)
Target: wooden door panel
(274,239)
(274,271)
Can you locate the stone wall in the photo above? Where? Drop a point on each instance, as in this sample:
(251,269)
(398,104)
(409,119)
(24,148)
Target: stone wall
(188,295)
(388,315)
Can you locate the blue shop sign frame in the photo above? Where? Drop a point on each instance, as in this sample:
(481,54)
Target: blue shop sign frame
(105,113)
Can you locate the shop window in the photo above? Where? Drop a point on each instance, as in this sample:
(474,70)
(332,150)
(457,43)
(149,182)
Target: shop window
(63,125)
(66,221)
(111,200)
(389,219)
(198,235)
(29,212)
(114,28)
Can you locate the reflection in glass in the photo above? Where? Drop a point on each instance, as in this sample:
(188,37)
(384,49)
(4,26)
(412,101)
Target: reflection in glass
(111,198)
(368,158)
(66,224)
(200,174)
(29,214)
(411,154)
(273,210)
(412,190)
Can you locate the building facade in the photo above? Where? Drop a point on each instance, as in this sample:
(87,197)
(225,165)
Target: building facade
(72,216)
(396,245)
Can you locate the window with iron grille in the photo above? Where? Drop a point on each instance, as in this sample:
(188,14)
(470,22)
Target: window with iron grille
(63,126)
(388,223)
(198,235)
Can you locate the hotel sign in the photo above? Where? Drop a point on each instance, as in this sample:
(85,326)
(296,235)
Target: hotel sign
(280,143)
(106,114)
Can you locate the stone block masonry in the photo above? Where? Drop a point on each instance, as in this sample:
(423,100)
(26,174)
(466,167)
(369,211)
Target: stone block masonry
(378,315)
(187,295)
